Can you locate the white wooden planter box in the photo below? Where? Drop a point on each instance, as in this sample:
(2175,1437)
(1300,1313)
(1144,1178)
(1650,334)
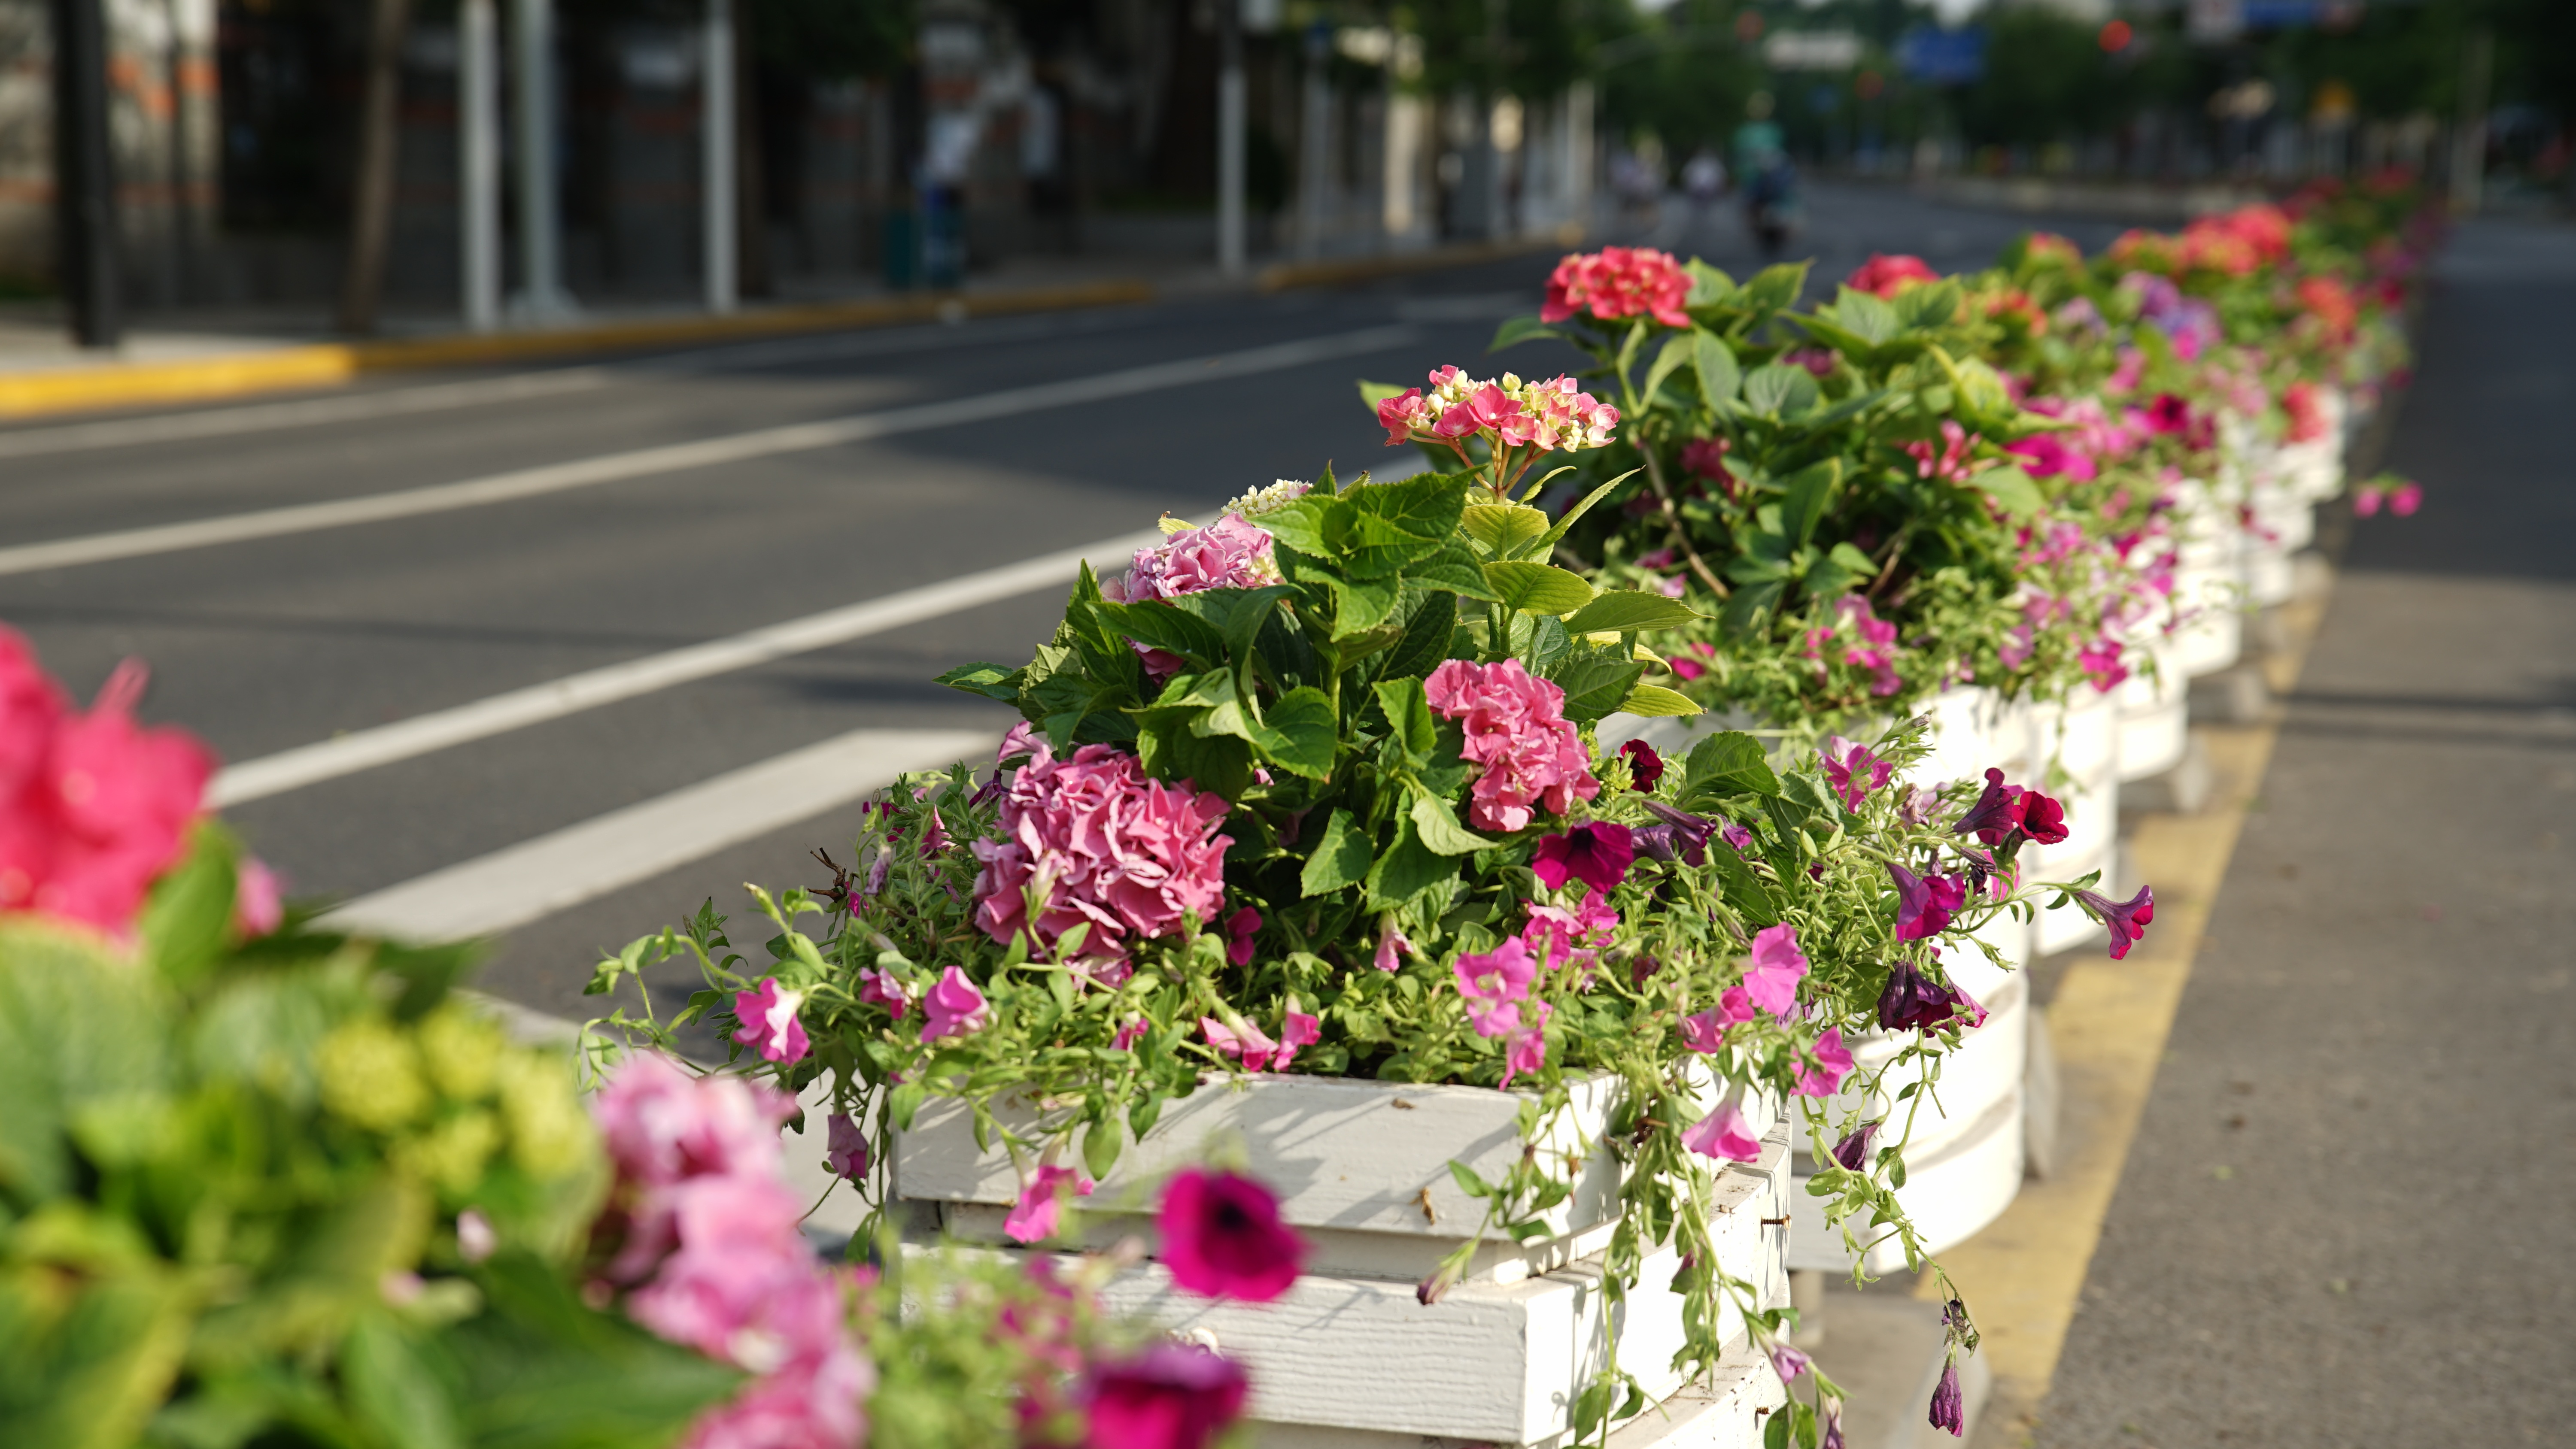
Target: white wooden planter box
(2082,738)
(1349,1358)
(2155,715)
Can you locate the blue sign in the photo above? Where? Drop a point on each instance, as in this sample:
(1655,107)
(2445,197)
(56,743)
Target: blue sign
(1942,57)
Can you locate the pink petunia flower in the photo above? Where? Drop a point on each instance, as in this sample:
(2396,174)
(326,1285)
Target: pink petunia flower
(1833,1062)
(1493,983)
(1240,1040)
(1130,1033)
(1569,938)
(1532,757)
(1526,1051)
(884,988)
(2127,919)
(846,1152)
(1391,946)
(954,1007)
(1725,1133)
(1297,1029)
(1171,1396)
(1038,1213)
(769,1024)
(257,909)
(1222,1237)
(1240,928)
(1854,772)
(1924,904)
(1772,975)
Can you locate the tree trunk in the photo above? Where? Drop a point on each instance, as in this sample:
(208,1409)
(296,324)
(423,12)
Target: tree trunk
(372,198)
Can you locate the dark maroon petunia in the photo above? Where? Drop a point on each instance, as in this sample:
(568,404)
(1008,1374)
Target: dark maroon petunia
(1949,1405)
(1997,813)
(2127,919)
(1171,1396)
(1645,767)
(1222,1237)
(1912,1001)
(2042,819)
(1598,855)
(1853,1151)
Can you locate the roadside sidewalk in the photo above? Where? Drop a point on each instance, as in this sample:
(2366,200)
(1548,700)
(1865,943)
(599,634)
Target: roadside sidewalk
(227,355)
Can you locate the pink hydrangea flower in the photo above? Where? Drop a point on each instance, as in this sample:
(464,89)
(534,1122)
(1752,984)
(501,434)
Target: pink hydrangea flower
(1035,1217)
(1108,847)
(1227,554)
(1884,275)
(1619,282)
(1854,772)
(1771,977)
(1832,1062)
(769,1024)
(93,807)
(1725,1133)
(1493,984)
(1516,729)
(954,1007)
(660,1124)
(1222,1237)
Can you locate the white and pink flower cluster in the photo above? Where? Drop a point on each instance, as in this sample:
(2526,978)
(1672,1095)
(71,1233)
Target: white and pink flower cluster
(1516,729)
(1553,415)
(712,1258)
(1102,846)
(1227,554)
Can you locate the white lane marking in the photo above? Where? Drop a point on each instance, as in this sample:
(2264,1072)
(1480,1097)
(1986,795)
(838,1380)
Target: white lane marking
(703,453)
(515,709)
(534,878)
(309,412)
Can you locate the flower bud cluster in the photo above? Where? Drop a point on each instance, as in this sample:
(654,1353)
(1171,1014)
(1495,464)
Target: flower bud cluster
(1552,415)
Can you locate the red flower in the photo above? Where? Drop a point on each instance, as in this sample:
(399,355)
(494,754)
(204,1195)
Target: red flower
(1222,1237)
(1645,767)
(1617,282)
(1171,1396)
(1885,276)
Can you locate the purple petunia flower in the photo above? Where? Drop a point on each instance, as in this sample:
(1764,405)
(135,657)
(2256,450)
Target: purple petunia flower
(2127,919)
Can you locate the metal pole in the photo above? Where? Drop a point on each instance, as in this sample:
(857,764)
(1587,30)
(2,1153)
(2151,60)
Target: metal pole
(478,161)
(85,251)
(2469,141)
(1315,142)
(716,153)
(540,250)
(1229,137)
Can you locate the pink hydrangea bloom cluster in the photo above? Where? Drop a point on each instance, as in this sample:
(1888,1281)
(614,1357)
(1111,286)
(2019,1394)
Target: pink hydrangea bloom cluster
(1102,845)
(1551,415)
(1885,276)
(1517,730)
(712,1257)
(1227,554)
(93,807)
(1616,283)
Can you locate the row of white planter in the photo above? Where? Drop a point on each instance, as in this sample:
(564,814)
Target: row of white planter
(1349,1359)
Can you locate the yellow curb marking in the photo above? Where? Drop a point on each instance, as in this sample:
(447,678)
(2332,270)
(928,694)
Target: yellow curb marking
(2024,1275)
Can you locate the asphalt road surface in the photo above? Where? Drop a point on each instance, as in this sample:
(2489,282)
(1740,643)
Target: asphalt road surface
(442,625)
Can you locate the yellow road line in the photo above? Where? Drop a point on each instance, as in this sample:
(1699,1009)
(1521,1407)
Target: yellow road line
(2024,1275)
(330,364)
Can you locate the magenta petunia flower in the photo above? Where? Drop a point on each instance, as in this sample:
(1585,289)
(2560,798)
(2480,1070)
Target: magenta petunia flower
(2127,919)
(954,1006)
(1853,1150)
(1725,1133)
(884,988)
(1222,1237)
(1110,848)
(846,1151)
(1532,757)
(1853,770)
(2006,815)
(1833,1063)
(1526,1051)
(769,1024)
(1705,1032)
(1130,1033)
(2405,498)
(1949,1406)
(1493,984)
(1171,1396)
(1597,854)
(1241,1041)
(1035,1217)
(1912,1001)
(1924,904)
(1570,938)
(1771,977)
(1296,1030)
(1391,946)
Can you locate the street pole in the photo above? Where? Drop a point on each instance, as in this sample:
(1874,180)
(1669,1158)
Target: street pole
(1229,137)
(1315,142)
(716,154)
(84,176)
(2469,140)
(478,161)
(540,245)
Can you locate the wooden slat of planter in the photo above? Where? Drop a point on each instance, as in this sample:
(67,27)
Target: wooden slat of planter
(1358,1156)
